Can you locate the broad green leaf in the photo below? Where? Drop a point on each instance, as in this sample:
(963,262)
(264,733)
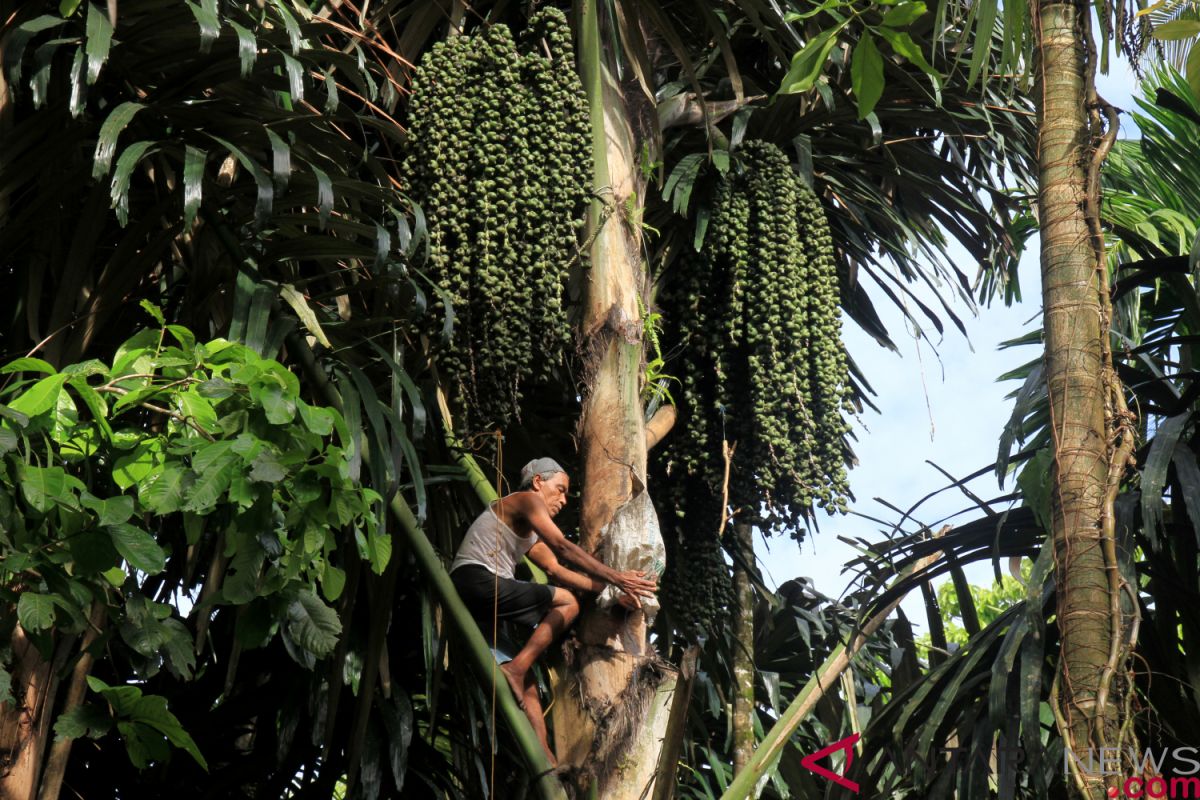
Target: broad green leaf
(93,553)
(138,548)
(1176,29)
(110,510)
(333,582)
(380,551)
(28,364)
(8,441)
(115,577)
(5,686)
(45,486)
(15,417)
(215,389)
(163,492)
(210,454)
(186,339)
(904,14)
(85,720)
(318,420)
(40,397)
(66,419)
(143,744)
(195,408)
(17,562)
(146,711)
(99,41)
(133,350)
(35,611)
(279,408)
(154,311)
(241,490)
(110,130)
(95,403)
(312,624)
(808,62)
(241,585)
(210,484)
(68,7)
(267,468)
(179,647)
(132,467)
(866,74)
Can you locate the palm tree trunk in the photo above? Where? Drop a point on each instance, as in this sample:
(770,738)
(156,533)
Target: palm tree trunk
(743,648)
(612,707)
(1073,287)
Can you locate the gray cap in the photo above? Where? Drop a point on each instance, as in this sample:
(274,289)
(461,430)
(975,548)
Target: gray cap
(546,467)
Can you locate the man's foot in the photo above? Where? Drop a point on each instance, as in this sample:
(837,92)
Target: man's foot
(516,682)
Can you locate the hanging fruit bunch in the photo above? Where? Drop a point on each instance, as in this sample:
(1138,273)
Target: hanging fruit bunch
(763,368)
(499,160)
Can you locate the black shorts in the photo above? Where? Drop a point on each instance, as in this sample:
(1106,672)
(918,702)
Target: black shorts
(519,601)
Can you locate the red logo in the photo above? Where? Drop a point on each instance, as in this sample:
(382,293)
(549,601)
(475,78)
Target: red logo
(846,744)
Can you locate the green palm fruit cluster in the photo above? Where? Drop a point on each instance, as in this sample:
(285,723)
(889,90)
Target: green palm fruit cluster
(499,159)
(757,315)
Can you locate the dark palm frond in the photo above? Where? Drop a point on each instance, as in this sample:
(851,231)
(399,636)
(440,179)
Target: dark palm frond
(234,164)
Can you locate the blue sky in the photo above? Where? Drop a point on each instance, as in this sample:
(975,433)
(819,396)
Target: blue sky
(946,407)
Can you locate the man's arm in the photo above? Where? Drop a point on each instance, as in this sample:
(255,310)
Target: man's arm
(632,581)
(544,557)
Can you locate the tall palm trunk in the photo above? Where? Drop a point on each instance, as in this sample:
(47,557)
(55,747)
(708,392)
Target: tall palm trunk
(611,709)
(743,648)
(1080,382)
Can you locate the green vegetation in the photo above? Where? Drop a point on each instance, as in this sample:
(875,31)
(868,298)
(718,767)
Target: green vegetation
(177,469)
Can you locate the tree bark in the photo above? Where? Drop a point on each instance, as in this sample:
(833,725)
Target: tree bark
(25,724)
(1075,329)
(612,706)
(743,648)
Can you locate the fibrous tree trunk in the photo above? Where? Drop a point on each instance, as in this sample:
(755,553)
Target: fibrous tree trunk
(743,647)
(1089,434)
(612,705)
(25,723)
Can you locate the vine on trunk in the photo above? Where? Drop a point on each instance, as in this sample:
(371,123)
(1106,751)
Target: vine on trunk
(499,160)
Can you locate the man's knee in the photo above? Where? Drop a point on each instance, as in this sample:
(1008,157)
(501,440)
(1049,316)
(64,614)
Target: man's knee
(566,603)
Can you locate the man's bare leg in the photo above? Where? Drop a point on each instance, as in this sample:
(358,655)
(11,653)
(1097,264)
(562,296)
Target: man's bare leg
(563,610)
(537,718)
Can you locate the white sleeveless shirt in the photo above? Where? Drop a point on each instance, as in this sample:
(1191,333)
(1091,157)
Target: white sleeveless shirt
(493,545)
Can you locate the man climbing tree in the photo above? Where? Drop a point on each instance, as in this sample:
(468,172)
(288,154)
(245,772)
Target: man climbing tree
(521,524)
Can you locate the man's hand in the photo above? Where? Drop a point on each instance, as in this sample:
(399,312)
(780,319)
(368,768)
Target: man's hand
(628,602)
(635,584)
